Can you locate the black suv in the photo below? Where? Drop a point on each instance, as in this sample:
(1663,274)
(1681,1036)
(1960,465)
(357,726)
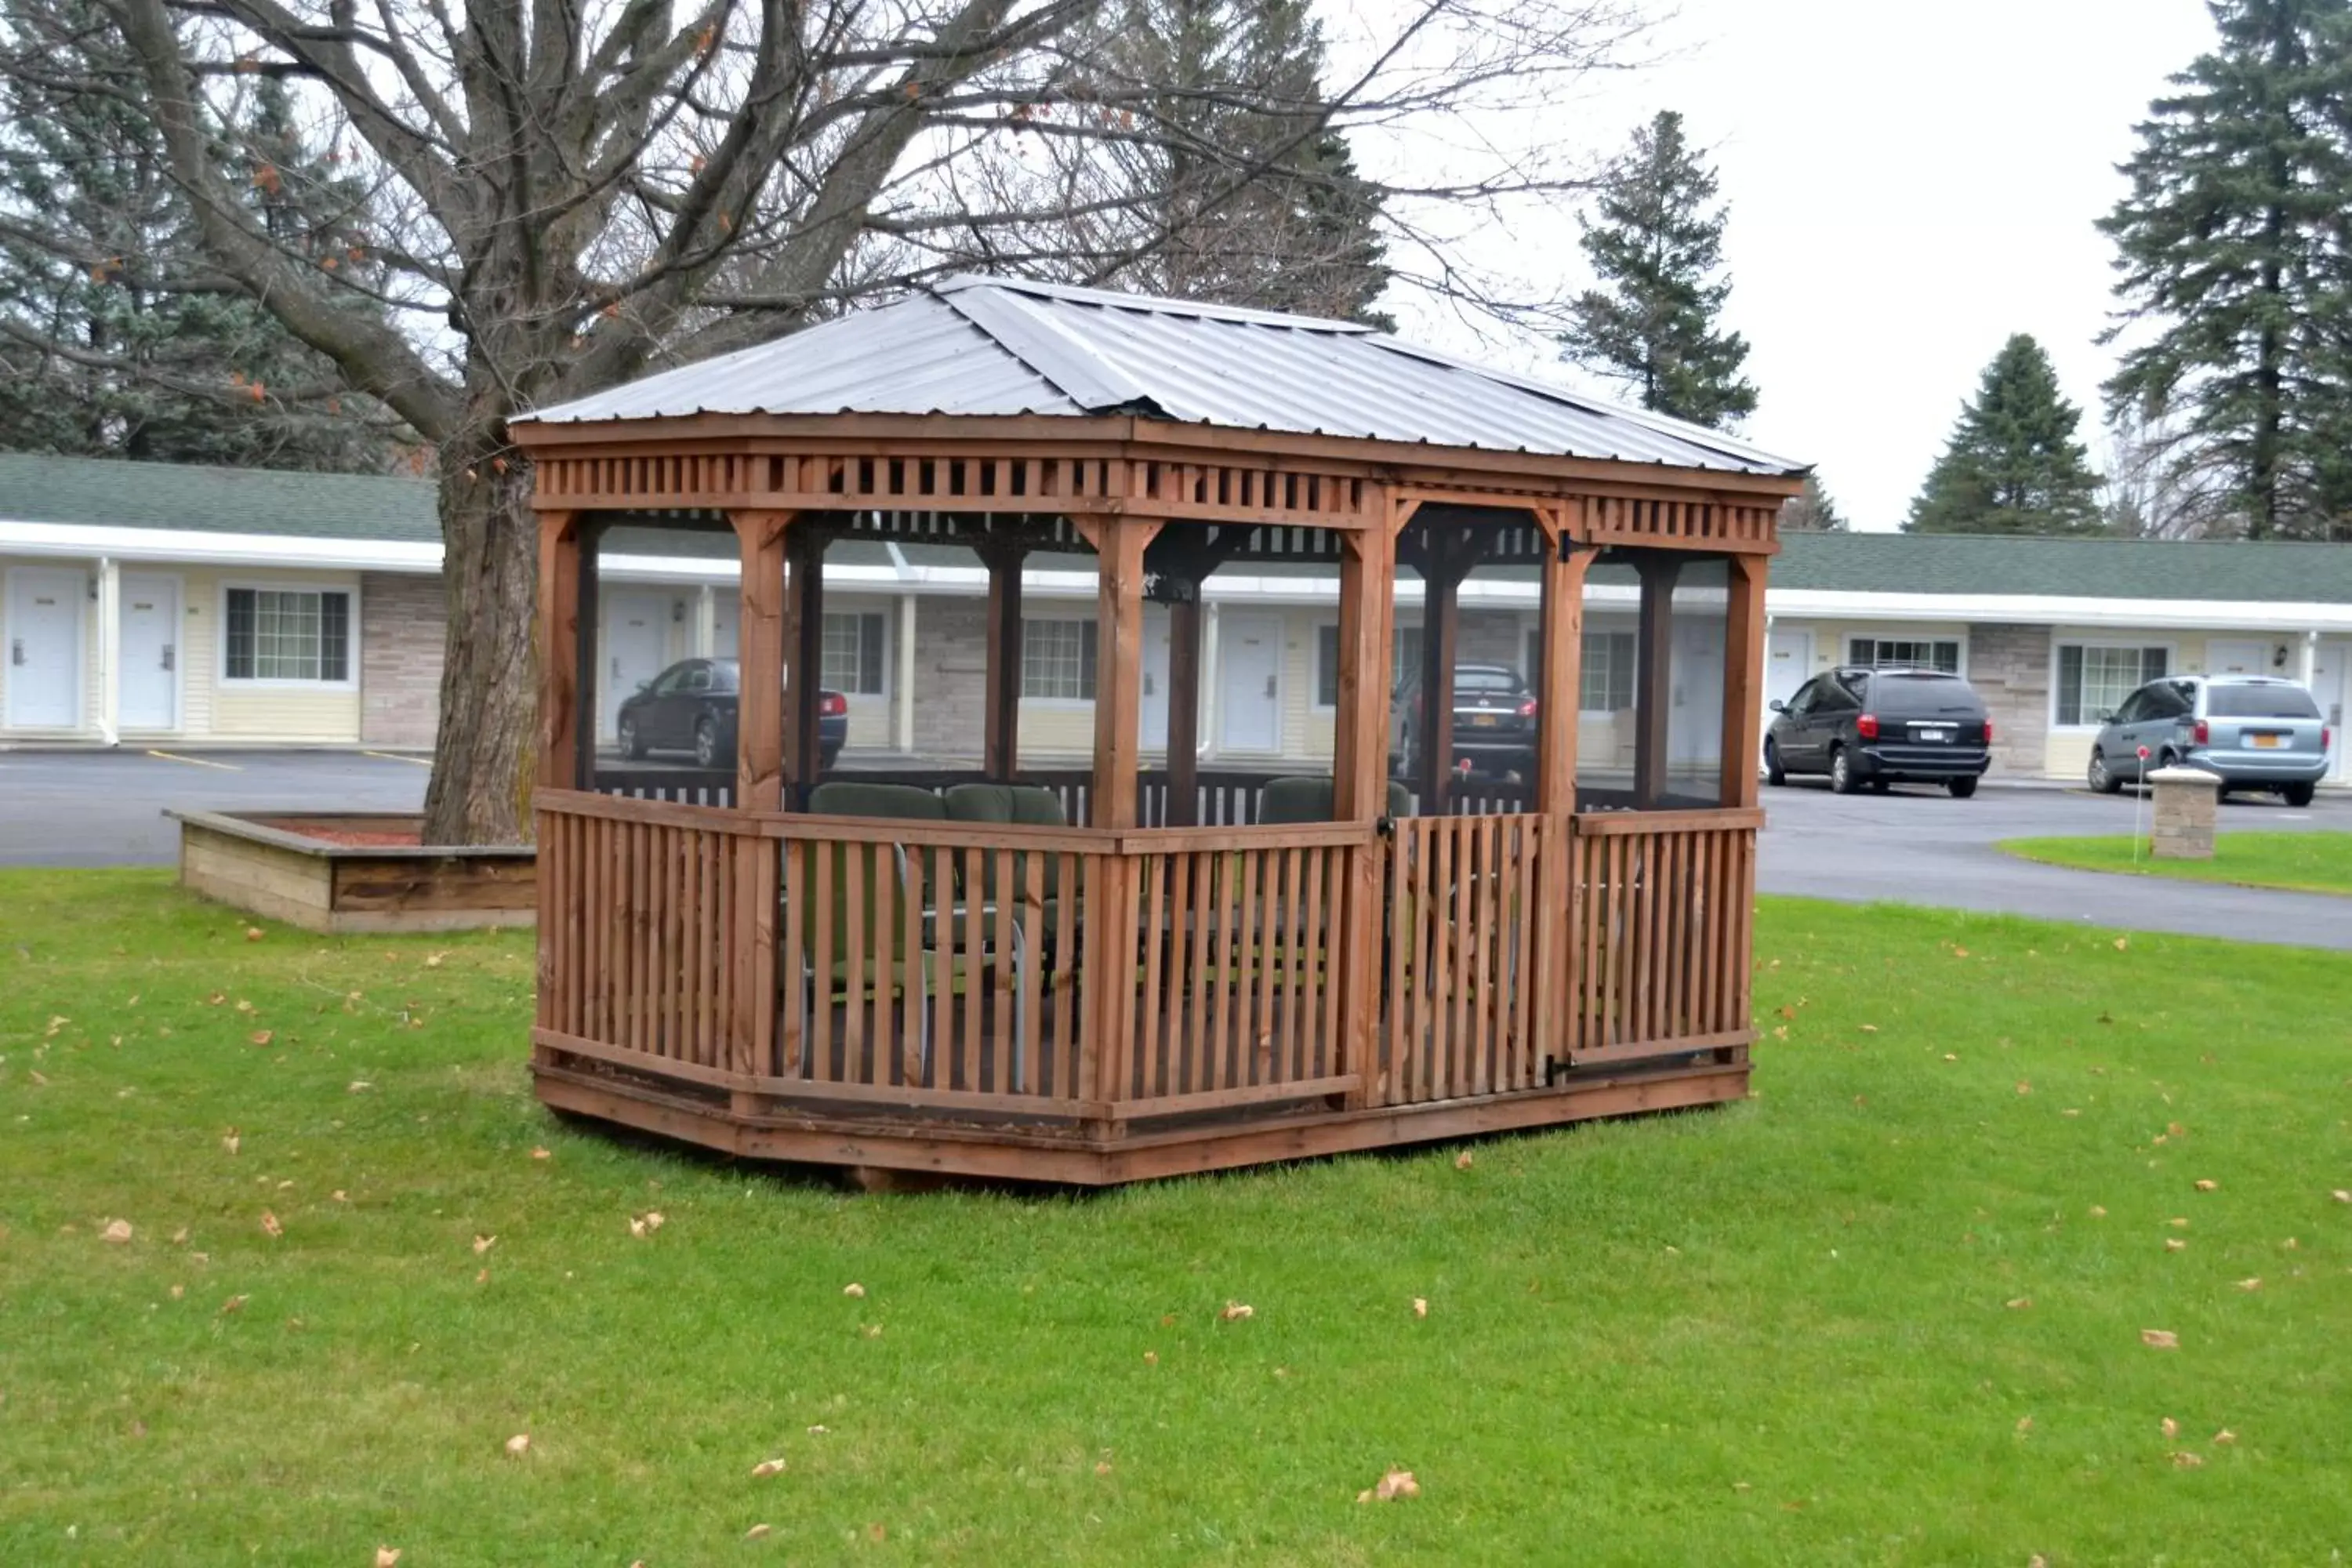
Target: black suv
(1876,727)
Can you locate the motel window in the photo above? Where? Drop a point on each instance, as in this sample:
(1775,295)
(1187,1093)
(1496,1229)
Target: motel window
(2095,678)
(1605,676)
(854,653)
(288,634)
(1404,656)
(1910,653)
(1057,660)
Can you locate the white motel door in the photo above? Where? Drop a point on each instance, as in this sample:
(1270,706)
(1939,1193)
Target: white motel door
(636,636)
(148,653)
(44,673)
(1249,698)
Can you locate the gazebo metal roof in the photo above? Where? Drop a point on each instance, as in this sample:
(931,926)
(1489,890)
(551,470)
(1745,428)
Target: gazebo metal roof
(988,346)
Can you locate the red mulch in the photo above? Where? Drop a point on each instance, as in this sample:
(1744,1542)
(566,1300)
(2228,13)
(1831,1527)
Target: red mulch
(403,837)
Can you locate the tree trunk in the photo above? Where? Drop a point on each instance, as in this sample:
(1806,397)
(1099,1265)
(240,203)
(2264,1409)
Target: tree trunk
(484,755)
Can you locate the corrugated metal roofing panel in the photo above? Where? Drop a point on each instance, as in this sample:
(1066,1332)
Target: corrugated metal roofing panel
(998,346)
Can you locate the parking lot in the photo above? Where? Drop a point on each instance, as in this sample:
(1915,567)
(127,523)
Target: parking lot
(1911,846)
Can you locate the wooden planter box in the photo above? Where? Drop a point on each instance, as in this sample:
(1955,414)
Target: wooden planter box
(263,862)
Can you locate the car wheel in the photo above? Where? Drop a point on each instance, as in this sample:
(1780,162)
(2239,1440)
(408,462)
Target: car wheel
(1774,774)
(706,743)
(2298,795)
(2101,780)
(826,756)
(1961,788)
(633,745)
(1841,779)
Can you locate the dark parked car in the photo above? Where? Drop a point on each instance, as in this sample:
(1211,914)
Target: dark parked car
(1494,721)
(1877,727)
(2256,731)
(690,707)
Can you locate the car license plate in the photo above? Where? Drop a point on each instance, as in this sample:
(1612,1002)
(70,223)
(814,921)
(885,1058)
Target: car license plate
(2266,740)
(1938,733)
(1481,720)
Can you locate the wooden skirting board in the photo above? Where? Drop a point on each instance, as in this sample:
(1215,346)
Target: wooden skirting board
(1010,1154)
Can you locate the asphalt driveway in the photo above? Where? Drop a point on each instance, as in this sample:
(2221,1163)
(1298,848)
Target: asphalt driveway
(1918,845)
(1911,846)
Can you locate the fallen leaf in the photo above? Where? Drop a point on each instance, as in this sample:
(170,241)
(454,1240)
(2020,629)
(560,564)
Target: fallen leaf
(1421,1307)
(2070,1110)
(755,1533)
(2037,1560)
(387,1557)
(2121,944)
(253,933)
(243,1005)
(2174,1244)
(1236,1310)
(230,1139)
(1960,952)
(767,1467)
(2025,1422)
(270,1225)
(1950,1056)
(819,1431)
(2179,1222)
(636,1227)
(540,1154)
(2023,1086)
(262,1037)
(2098,1211)
(1102,1466)
(2160,1339)
(1462,1160)
(853,1288)
(483,1278)
(877,1530)
(1870,1029)
(483,1244)
(1395,1484)
(117,1231)
(338,1195)
(871,1330)
(178,1291)
(2290,1244)
(519,1445)
(2224,1437)
(215,999)
(433,960)
(234,1304)
(2254,1284)
(2206,1185)
(1151,1358)
(2169,1427)
(2177,1129)
(2342,1195)
(359,1086)
(2187,1461)
(2018,1303)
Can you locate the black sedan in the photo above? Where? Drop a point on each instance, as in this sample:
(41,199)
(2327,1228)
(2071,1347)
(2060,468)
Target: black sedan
(1494,722)
(690,707)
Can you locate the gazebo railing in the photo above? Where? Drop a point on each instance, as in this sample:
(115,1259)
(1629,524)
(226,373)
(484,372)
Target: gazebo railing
(1073,982)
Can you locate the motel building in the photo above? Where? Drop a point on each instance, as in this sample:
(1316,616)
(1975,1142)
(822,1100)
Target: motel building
(151,605)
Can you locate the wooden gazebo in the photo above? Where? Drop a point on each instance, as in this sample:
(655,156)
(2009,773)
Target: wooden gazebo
(1099,976)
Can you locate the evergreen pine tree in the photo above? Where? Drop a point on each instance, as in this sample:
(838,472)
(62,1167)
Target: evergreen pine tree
(1254,198)
(104,349)
(1811,510)
(2232,241)
(1657,247)
(2013,465)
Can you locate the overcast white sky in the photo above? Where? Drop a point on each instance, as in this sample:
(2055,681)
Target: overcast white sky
(1909,183)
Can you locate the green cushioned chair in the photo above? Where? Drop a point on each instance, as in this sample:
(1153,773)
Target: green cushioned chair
(904,802)
(1287,802)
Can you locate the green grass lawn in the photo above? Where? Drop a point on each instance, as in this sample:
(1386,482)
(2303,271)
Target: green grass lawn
(1889,1312)
(2307,862)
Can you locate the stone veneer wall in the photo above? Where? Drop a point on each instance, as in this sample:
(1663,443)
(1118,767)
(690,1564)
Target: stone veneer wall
(401,622)
(2009,668)
(951,676)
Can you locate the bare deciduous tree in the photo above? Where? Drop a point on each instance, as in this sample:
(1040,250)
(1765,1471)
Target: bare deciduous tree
(564,195)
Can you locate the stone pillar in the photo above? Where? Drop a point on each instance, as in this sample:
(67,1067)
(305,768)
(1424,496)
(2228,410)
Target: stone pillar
(2186,803)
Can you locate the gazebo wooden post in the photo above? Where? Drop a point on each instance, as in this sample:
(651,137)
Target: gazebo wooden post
(1000,754)
(1743,679)
(1359,778)
(761,538)
(1558,687)
(1655,693)
(1445,562)
(1184,710)
(562,674)
(803,674)
(1111,904)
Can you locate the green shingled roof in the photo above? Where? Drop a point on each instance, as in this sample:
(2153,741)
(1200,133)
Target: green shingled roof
(373,507)
(216,501)
(2067,568)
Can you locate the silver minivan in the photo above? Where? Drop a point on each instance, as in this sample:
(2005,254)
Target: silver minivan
(2256,731)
